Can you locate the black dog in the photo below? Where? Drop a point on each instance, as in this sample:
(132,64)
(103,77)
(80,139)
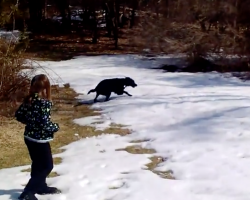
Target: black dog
(116,85)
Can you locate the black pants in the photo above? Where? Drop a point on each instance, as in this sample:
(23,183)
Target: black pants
(42,165)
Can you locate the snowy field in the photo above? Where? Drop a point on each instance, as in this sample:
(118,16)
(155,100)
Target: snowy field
(198,122)
(10,36)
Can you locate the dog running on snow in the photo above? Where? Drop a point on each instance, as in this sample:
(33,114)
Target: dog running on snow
(116,85)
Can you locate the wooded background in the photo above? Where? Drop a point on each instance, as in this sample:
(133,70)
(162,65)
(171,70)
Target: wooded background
(197,26)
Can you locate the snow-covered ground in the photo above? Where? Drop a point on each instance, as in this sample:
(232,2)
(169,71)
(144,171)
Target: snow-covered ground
(10,36)
(198,122)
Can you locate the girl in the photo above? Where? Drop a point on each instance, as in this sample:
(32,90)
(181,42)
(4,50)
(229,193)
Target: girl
(34,112)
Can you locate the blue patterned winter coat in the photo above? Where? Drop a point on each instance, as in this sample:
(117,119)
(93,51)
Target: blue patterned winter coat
(36,117)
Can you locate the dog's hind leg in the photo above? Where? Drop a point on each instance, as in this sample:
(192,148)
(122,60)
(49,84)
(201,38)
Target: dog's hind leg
(127,93)
(107,96)
(95,100)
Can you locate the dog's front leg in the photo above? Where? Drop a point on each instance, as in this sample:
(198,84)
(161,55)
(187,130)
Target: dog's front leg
(127,93)
(107,96)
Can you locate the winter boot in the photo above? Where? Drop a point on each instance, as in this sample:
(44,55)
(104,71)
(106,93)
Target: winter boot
(27,196)
(49,190)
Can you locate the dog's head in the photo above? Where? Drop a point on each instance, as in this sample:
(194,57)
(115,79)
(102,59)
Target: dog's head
(130,82)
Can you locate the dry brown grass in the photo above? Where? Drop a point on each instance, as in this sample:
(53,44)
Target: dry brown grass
(137,149)
(155,160)
(140,141)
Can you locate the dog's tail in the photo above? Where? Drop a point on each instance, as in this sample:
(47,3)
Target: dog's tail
(93,90)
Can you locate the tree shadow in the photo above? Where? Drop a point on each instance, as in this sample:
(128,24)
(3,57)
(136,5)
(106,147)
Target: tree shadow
(205,122)
(202,80)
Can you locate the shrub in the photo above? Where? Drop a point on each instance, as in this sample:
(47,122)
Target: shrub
(13,82)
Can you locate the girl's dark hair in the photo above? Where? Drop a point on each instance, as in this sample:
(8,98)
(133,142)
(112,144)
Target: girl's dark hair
(40,84)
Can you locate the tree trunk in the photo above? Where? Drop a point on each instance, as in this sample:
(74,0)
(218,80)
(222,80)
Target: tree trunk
(115,21)
(45,9)
(132,20)
(95,29)
(35,10)
(108,19)
(63,5)
(167,8)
